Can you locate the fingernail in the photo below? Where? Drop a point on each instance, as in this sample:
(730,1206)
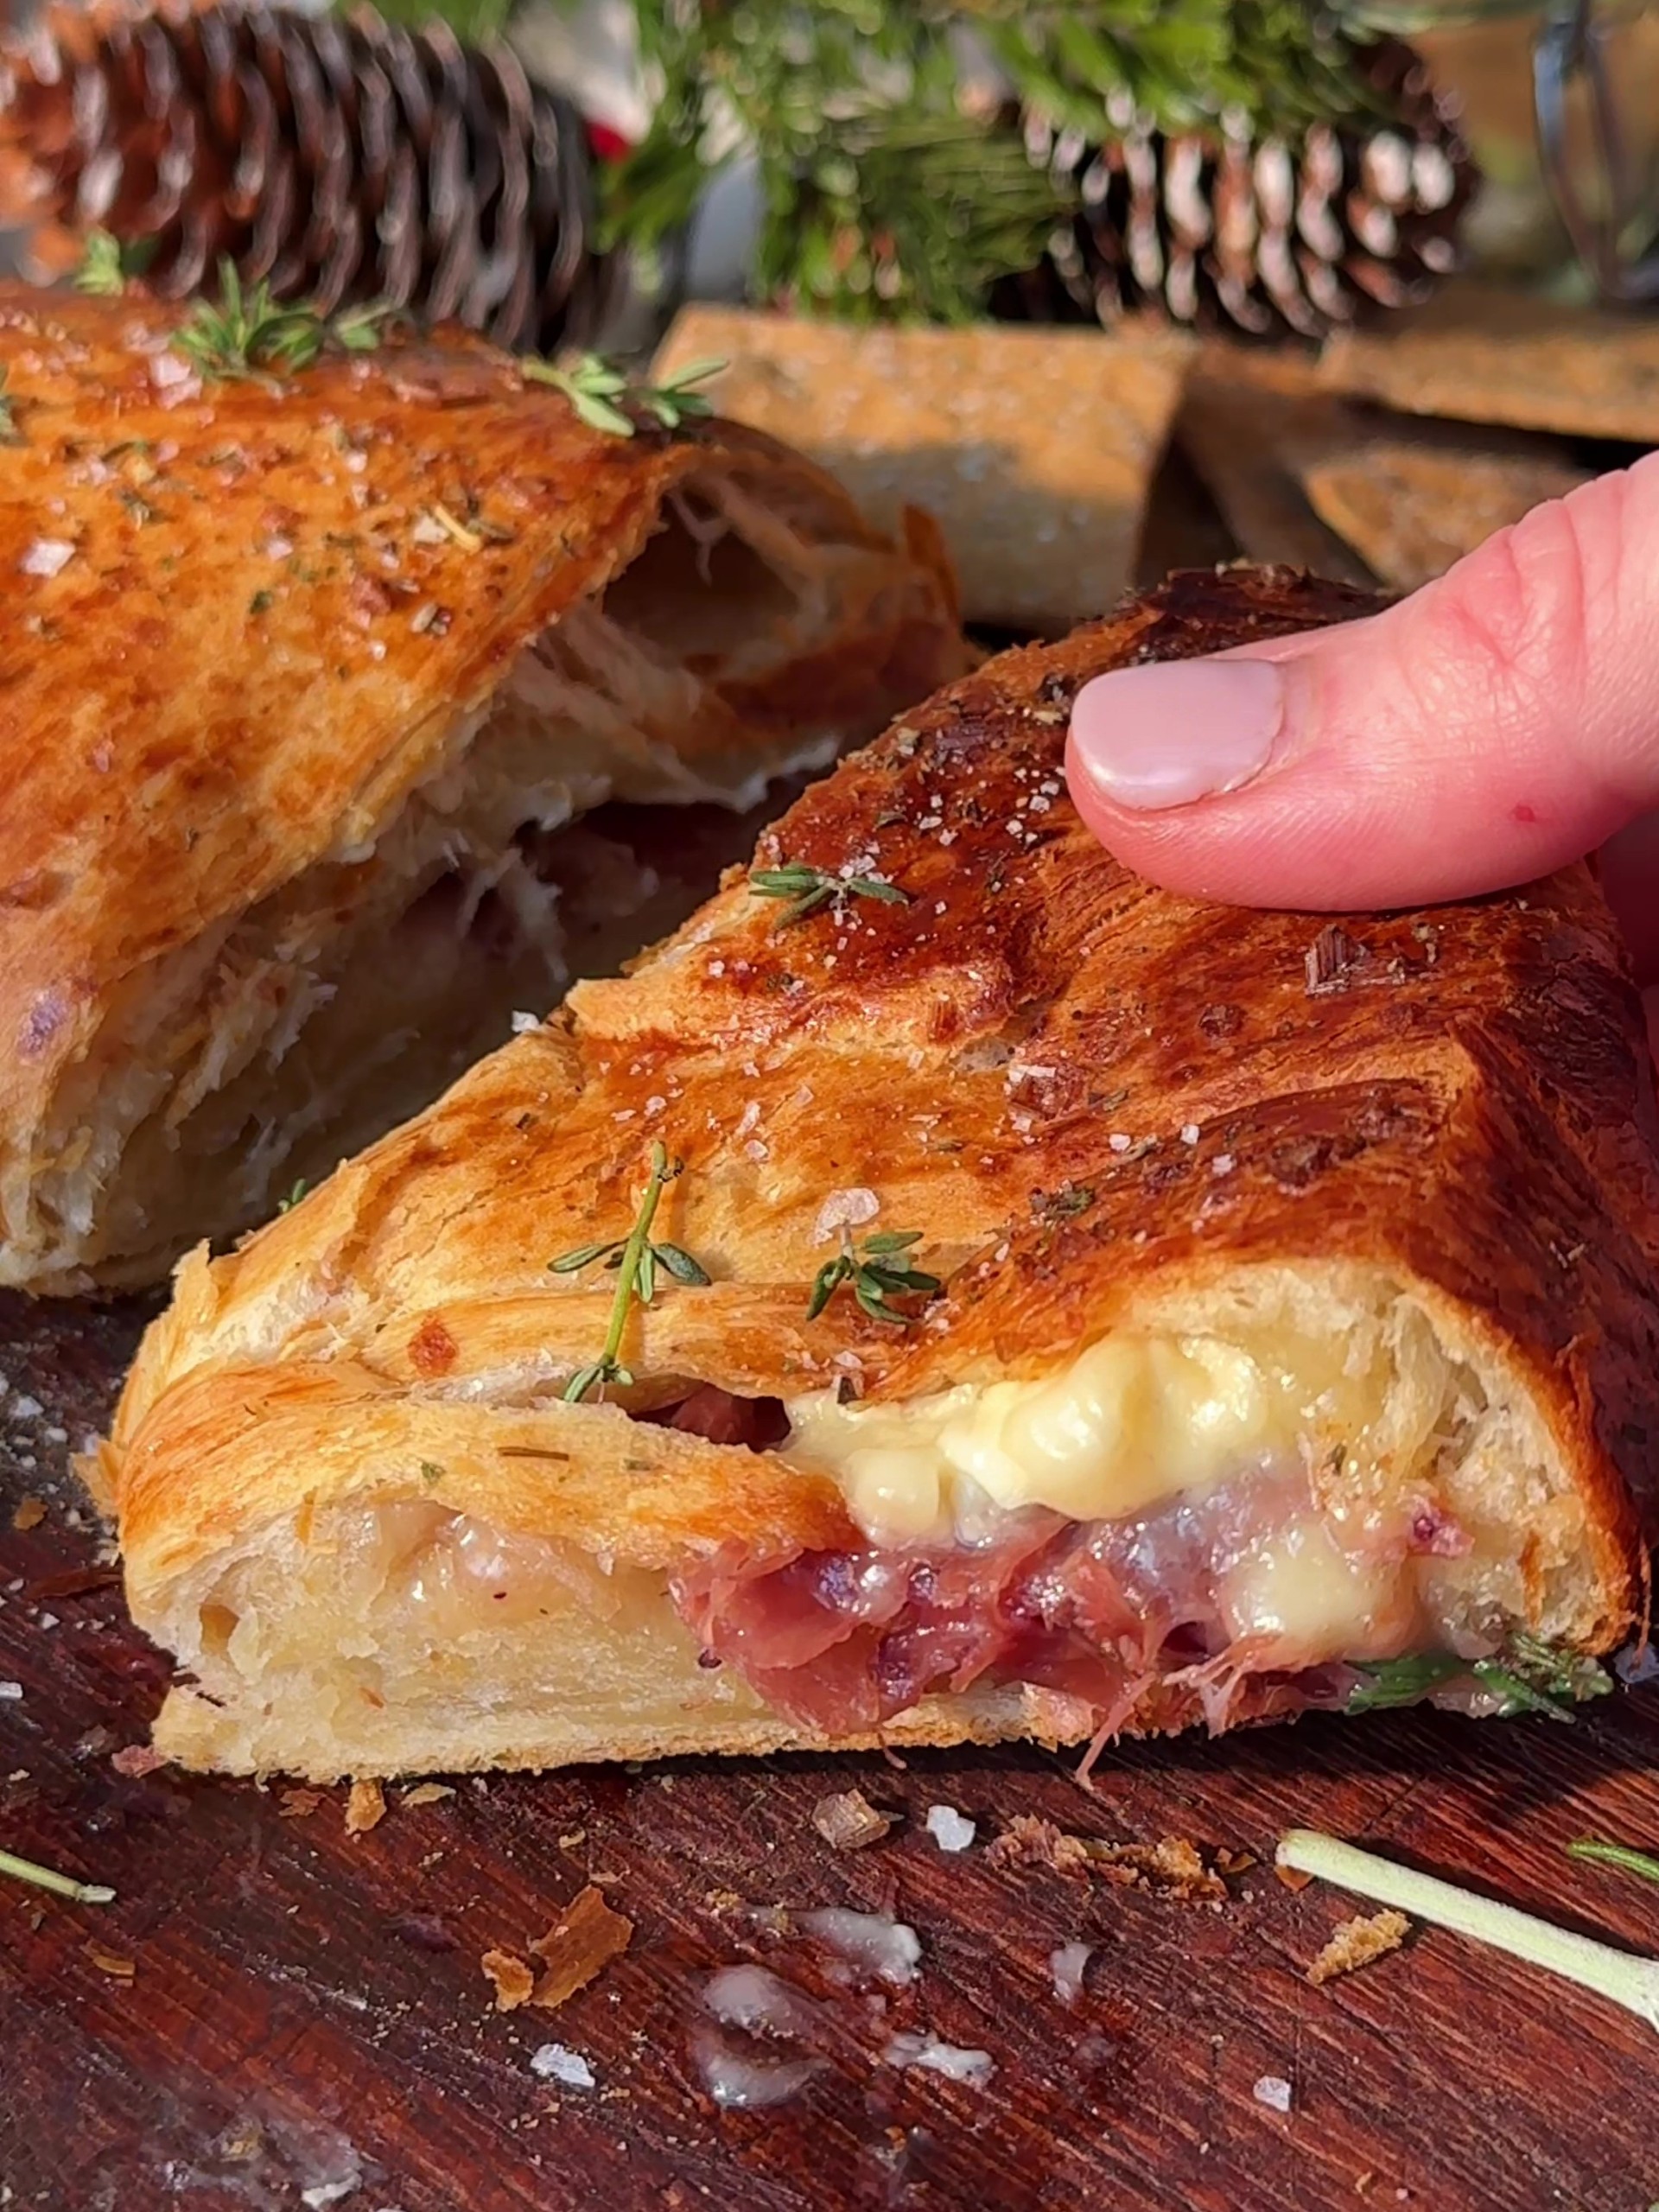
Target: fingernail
(1150,737)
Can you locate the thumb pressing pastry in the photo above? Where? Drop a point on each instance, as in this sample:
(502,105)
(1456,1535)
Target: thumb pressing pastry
(949,1290)
(312,643)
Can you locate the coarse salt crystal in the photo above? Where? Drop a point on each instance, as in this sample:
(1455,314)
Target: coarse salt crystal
(554,2062)
(1190,1133)
(849,1209)
(56,1435)
(739,2083)
(1274,2091)
(27,1408)
(936,2057)
(11,1692)
(868,1942)
(1119,1143)
(1068,1966)
(1223,1164)
(949,1829)
(45,556)
(760,2002)
(172,372)
(523,1023)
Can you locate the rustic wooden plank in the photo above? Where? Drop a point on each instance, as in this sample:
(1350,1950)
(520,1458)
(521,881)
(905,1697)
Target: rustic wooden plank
(295,2022)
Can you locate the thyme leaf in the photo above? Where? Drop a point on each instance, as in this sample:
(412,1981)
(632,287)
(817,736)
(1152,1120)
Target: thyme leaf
(1390,1682)
(107,262)
(635,1259)
(876,1272)
(9,434)
(600,394)
(287,1205)
(247,335)
(807,888)
(1528,1675)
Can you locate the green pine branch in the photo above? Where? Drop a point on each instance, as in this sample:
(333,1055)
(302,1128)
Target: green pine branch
(884,197)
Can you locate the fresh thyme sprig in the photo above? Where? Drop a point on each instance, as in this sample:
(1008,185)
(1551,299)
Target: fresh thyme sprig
(599,392)
(636,1260)
(9,434)
(61,1885)
(287,1203)
(1528,1675)
(249,335)
(106,264)
(807,888)
(881,1268)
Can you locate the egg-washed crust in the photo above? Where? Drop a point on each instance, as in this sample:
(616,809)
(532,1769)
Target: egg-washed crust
(1017,1061)
(260,628)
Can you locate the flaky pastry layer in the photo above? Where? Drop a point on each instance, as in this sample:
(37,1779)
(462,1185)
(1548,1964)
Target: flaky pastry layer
(1406,1162)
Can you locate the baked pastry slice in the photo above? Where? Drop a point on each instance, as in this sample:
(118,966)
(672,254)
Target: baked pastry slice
(1296,1346)
(302,681)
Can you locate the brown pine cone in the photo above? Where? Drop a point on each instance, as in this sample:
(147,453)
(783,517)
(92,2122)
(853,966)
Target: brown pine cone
(1222,230)
(343,160)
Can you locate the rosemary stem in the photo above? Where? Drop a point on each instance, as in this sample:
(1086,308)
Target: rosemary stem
(63,1886)
(1628,1980)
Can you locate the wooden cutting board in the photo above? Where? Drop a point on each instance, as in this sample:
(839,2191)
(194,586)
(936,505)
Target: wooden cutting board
(305,2022)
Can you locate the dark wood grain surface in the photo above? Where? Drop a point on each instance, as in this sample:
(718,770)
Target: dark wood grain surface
(306,2022)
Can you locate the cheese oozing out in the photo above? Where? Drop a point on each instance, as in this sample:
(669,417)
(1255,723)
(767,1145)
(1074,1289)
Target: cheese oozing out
(1139,1419)
(1130,1421)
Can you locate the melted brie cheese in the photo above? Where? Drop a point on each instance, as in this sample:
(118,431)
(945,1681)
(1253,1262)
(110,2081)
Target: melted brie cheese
(1132,1421)
(1299,1589)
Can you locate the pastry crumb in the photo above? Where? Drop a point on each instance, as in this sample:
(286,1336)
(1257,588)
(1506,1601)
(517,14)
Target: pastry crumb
(511,1978)
(1173,1867)
(1292,1876)
(1274,2091)
(137,1760)
(30,1512)
(112,1963)
(578,1946)
(848,1821)
(298,1804)
(1030,1841)
(365,1807)
(1354,1943)
(426,1792)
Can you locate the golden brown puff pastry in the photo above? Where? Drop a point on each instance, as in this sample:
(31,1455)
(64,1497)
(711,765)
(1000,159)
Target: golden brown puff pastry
(1296,1318)
(302,681)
